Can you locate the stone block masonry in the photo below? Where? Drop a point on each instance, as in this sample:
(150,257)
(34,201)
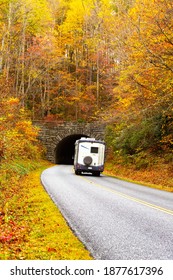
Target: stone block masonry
(59,138)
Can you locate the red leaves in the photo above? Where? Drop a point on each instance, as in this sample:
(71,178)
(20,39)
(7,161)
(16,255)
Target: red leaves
(51,250)
(6,237)
(10,231)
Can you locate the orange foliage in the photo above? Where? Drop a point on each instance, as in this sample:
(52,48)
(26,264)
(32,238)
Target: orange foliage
(157,176)
(18,136)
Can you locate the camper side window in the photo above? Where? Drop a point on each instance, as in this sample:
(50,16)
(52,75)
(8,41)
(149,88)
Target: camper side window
(94,150)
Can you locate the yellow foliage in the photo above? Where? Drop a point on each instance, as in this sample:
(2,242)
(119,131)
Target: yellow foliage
(12,101)
(25,235)
(157,175)
(25,128)
(18,137)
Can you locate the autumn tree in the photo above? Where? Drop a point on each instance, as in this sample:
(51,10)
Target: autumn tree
(143,97)
(65,39)
(21,24)
(84,34)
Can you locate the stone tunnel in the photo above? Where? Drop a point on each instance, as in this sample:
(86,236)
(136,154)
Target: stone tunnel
(64,152)
(59,138)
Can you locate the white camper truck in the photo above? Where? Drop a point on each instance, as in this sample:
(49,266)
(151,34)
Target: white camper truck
(89,156)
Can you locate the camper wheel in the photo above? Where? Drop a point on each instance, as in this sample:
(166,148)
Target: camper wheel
(96,173)
(77,172)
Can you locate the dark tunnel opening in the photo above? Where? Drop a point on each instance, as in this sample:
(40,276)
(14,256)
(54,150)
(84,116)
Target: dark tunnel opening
(64,153)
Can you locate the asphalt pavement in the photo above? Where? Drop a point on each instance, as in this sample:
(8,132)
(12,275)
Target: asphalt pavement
(115,220)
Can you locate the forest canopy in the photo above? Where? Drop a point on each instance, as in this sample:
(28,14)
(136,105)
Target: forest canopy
(87,60)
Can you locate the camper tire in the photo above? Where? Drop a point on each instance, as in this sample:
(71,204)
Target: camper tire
(77,172)
(96,173)
(87,160)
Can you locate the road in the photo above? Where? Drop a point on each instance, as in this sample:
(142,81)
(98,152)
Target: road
(113,218)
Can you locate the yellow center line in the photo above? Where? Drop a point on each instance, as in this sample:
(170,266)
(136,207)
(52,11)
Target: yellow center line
(167,211)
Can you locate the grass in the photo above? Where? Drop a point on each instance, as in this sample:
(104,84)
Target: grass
(31,226)
(158,176)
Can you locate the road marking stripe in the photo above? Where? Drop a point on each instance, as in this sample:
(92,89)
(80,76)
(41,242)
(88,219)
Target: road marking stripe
(167,211)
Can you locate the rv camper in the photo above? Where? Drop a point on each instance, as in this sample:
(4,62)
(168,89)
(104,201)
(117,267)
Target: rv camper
(89,156)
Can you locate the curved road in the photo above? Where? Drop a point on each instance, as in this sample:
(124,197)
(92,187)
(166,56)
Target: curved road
(113,218)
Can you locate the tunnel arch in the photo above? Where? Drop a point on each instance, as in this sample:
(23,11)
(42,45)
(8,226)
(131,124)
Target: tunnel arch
(64,151)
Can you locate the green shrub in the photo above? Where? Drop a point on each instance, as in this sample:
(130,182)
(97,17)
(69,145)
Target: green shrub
(137,137)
